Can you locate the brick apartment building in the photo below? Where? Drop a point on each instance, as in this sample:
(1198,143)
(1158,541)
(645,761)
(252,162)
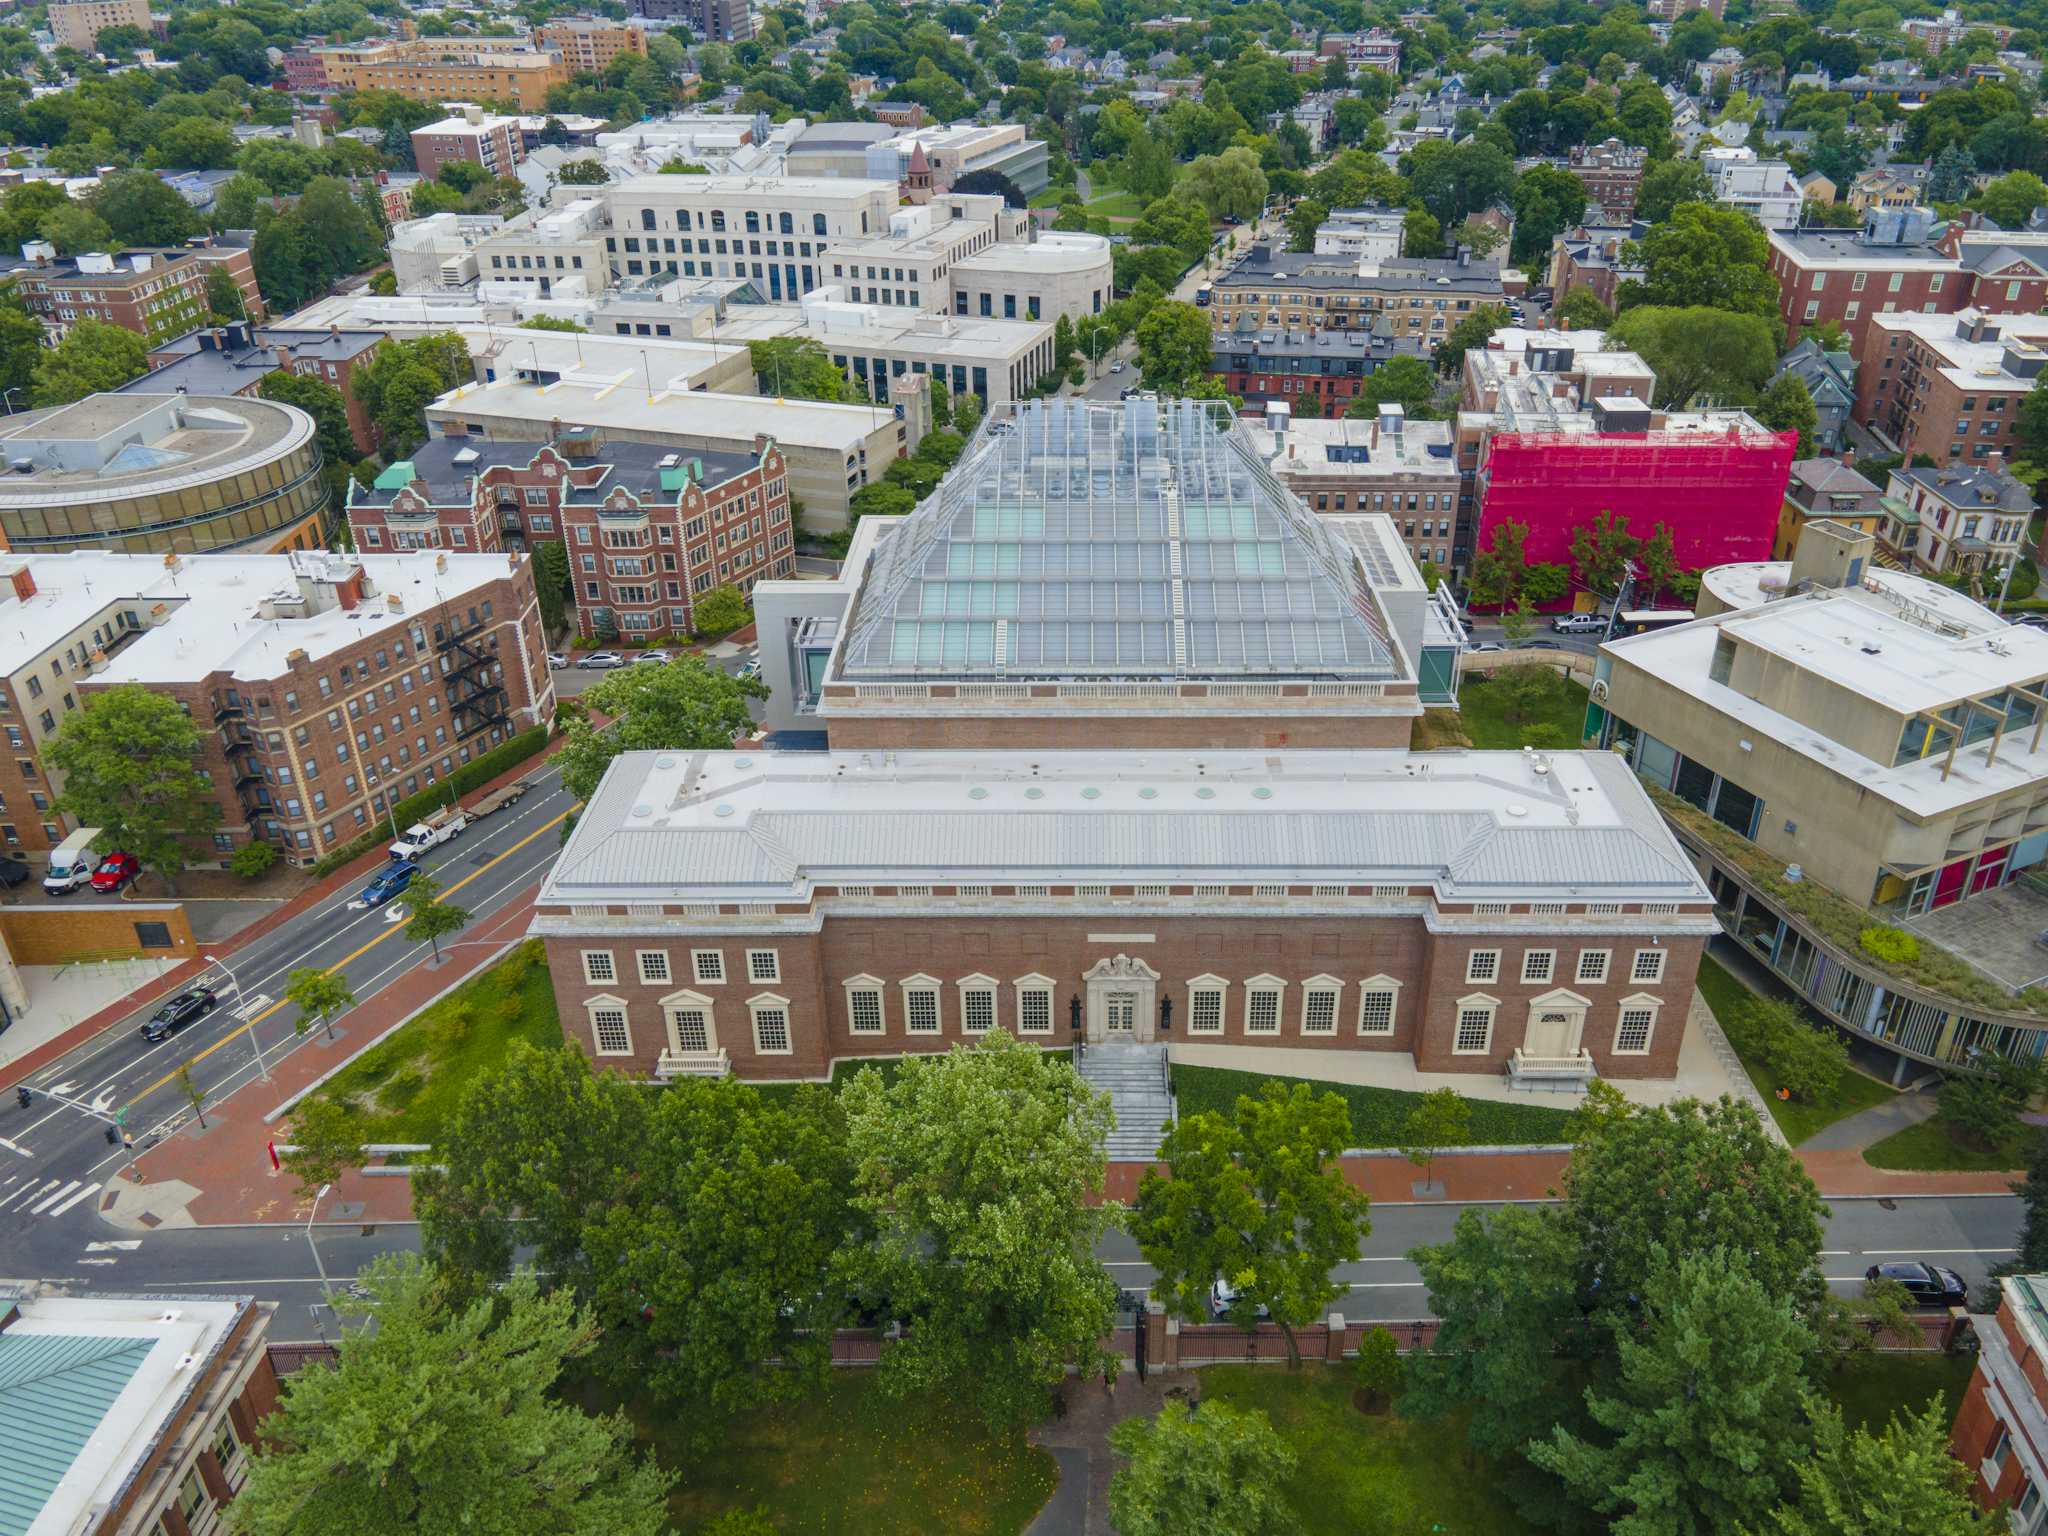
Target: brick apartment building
(157,292)
(1612,173)
(473,135)
(235,359)
(648,529)
(712,21)
(79,25)
(1588,256)
(326,687)
(305,71)
(2001,1430)
(1331,366)
(770,914)
(1892,266)
(1405,469)
(438,69)
(1410,298)
(131,1416)
(588,47)
(1949,386)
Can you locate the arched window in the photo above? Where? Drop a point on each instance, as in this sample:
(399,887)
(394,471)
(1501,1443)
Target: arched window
(753,223)
(647,218)
(787,224)
(718,221)
(817,223)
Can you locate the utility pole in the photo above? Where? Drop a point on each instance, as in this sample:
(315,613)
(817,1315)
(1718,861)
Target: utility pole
(117,1120)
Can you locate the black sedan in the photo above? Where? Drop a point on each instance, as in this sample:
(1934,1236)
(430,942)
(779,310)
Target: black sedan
(13,872)
(178,1012)
(1928,1284)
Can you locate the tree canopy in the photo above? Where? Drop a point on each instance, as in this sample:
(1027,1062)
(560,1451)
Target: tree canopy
(1704,257)
(127,761)
(685,705)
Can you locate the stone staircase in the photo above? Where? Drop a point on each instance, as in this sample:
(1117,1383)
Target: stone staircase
(1134,1077)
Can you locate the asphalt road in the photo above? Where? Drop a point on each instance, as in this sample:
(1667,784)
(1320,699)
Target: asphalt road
(54,1158)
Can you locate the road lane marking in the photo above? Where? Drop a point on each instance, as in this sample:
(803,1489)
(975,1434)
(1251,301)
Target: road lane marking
(275,1007)
(83,1262)
(48,1200)
(126,1245)
(25,1189)
(83,1194)
(15,1147)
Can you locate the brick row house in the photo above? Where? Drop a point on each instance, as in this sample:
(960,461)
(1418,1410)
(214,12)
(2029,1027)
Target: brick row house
(155,291)
(648,530)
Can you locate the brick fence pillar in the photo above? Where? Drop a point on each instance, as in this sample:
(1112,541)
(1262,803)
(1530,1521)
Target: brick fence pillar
(1333,1347)
(1169,1344)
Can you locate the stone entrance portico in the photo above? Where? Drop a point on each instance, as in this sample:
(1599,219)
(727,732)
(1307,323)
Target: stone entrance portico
(1123,1000)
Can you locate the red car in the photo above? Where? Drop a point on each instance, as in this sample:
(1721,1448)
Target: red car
(115,871)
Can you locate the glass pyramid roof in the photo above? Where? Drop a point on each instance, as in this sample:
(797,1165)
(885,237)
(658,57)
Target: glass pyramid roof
(1136,541)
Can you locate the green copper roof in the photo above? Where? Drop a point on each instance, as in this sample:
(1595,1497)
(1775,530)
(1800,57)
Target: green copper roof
(54,1391)
(396,478)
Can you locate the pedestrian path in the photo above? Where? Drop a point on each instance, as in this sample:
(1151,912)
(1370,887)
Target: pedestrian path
(28,1194)
(1867,1127)
(1134,1077)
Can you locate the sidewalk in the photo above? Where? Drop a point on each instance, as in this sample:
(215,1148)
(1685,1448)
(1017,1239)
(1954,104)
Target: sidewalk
(221,1176)
(189,971)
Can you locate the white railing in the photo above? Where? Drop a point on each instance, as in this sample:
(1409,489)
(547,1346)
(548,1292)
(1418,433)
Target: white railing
(675,1064)
(1317,695)
(1524,1067)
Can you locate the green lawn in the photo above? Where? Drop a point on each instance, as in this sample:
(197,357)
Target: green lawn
(1365,1473)
(408,1086)
(847,1459)
(1869,1388)
(1377,1114)
(1928,1148)
(1488,727)
(1729,999)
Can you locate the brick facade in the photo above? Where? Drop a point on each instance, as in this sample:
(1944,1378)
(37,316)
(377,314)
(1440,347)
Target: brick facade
(1432,976)
(164,296)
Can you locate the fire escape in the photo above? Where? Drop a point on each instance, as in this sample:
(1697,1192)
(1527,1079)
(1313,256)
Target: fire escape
(230,718)
(476,699)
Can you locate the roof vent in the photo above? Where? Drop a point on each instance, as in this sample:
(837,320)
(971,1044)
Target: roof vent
(1516,809)
(1872,650)
(1091,793)
(977,793)
(721,809)
(1262,793)
(1034,793)
(1205,793)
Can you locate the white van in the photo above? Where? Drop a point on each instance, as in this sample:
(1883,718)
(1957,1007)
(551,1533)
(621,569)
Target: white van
(72,862)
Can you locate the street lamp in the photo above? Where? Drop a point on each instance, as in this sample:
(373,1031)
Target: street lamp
(326,1290)
(255,1039)
(7,398)
(2005,583)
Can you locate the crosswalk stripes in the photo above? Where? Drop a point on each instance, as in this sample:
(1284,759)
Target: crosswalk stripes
(50,1197)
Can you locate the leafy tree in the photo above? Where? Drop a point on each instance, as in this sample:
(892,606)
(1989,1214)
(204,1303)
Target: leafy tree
(1303,220)
(1377,1368)
(1581,310)
(1602,550)
(1667,185)
(2032,425)
(94,356)
(327,1141)
(1147,169)
(1470,332)
(1441,1118)
(981,1172)
(551,581)
(1700,351)
(1658,563)
(445,1416)
(1503,1293)
(126,761)
(402,378)
(1901,1481)
(321,401)
(880,499)
(2032,1256)
(1704,256)
(432,918)
(1786,406)
(75,228)
(1696,1426)
(1174,347)
(1454,180)
(1404,381)
(537,1152)
(2012,199)
(1212,1470)
(140,209)
(1545,582)
(1951,176)
(1062,341)
(687,705)
(1258,1199)
(724,1253)
(252,860)
(194,1092)
(224,297)
(721,610)
(1745,1191)
(1422,233)
(1498,569)
(592,173)
(1480,238)
(1983,1106)
(1548,200)
(942,402)
(21,346)
(1226,184)
(799,369)
(321,998)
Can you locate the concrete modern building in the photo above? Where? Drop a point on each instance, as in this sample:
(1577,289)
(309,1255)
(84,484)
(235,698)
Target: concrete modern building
(483,139)
(130,1415)
(770,914)
(1412,297)
(327,687)
(78,25)
(1361,234)
(157,291)
(438,69)
(1766,190)
(1949,386)
(1150,576)
(162,474)
(715,21)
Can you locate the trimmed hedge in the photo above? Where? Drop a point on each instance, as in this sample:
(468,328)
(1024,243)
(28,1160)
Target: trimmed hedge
(469,776)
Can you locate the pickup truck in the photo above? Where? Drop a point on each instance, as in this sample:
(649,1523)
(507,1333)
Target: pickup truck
(437,829)
(498,799)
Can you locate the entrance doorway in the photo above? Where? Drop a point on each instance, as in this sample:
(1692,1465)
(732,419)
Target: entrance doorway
(1120,1015)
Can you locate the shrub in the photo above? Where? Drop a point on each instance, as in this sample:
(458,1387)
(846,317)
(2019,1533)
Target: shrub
(1893,945)
(1377,1369)
(453,1026)
(252,859)
(403,1088)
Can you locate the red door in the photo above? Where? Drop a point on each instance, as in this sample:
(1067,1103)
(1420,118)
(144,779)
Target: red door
(1949,888)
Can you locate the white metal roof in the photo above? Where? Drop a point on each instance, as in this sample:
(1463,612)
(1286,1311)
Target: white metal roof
(765,826)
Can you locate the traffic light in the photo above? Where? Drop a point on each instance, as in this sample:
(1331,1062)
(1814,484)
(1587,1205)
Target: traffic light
(22,1096)
(113,1137)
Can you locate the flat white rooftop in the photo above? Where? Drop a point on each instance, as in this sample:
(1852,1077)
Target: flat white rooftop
(620,406)
(795,190)
(211,619)
(768,825)
(1973,364)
